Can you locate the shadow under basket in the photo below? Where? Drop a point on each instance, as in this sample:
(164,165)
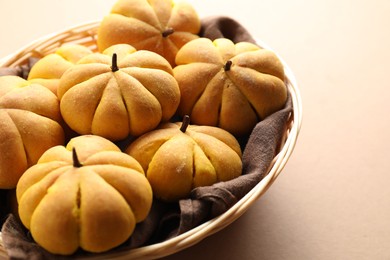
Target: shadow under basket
(85,34)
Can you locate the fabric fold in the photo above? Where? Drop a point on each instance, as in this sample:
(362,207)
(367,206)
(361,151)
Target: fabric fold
(257,157)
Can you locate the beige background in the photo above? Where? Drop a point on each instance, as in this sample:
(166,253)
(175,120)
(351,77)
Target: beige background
(332,200)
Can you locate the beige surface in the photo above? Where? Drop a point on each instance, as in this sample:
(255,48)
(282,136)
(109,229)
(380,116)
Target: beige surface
(332,201)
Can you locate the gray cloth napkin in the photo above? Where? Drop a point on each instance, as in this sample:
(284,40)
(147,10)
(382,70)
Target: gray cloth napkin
(169,220)
(21,71)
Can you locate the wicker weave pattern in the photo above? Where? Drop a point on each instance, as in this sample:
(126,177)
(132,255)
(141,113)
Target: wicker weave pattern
(85,34)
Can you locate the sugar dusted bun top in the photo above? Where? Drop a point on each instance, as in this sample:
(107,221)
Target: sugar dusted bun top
(162,26)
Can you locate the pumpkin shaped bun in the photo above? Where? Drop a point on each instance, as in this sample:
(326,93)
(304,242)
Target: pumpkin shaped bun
(93,203)
(48,70)
(29,125)
(178,157)
(161,26)
(232,86)
(119,92)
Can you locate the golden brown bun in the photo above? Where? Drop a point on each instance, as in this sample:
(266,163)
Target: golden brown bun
(29,116)
(94,206)
(232,86)
(162,26)
(48,70)
(175,162)
(114,104)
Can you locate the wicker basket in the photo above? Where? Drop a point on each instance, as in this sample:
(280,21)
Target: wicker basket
(85,34)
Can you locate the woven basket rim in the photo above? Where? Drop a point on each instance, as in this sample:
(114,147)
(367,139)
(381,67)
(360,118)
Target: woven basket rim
(85,34)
